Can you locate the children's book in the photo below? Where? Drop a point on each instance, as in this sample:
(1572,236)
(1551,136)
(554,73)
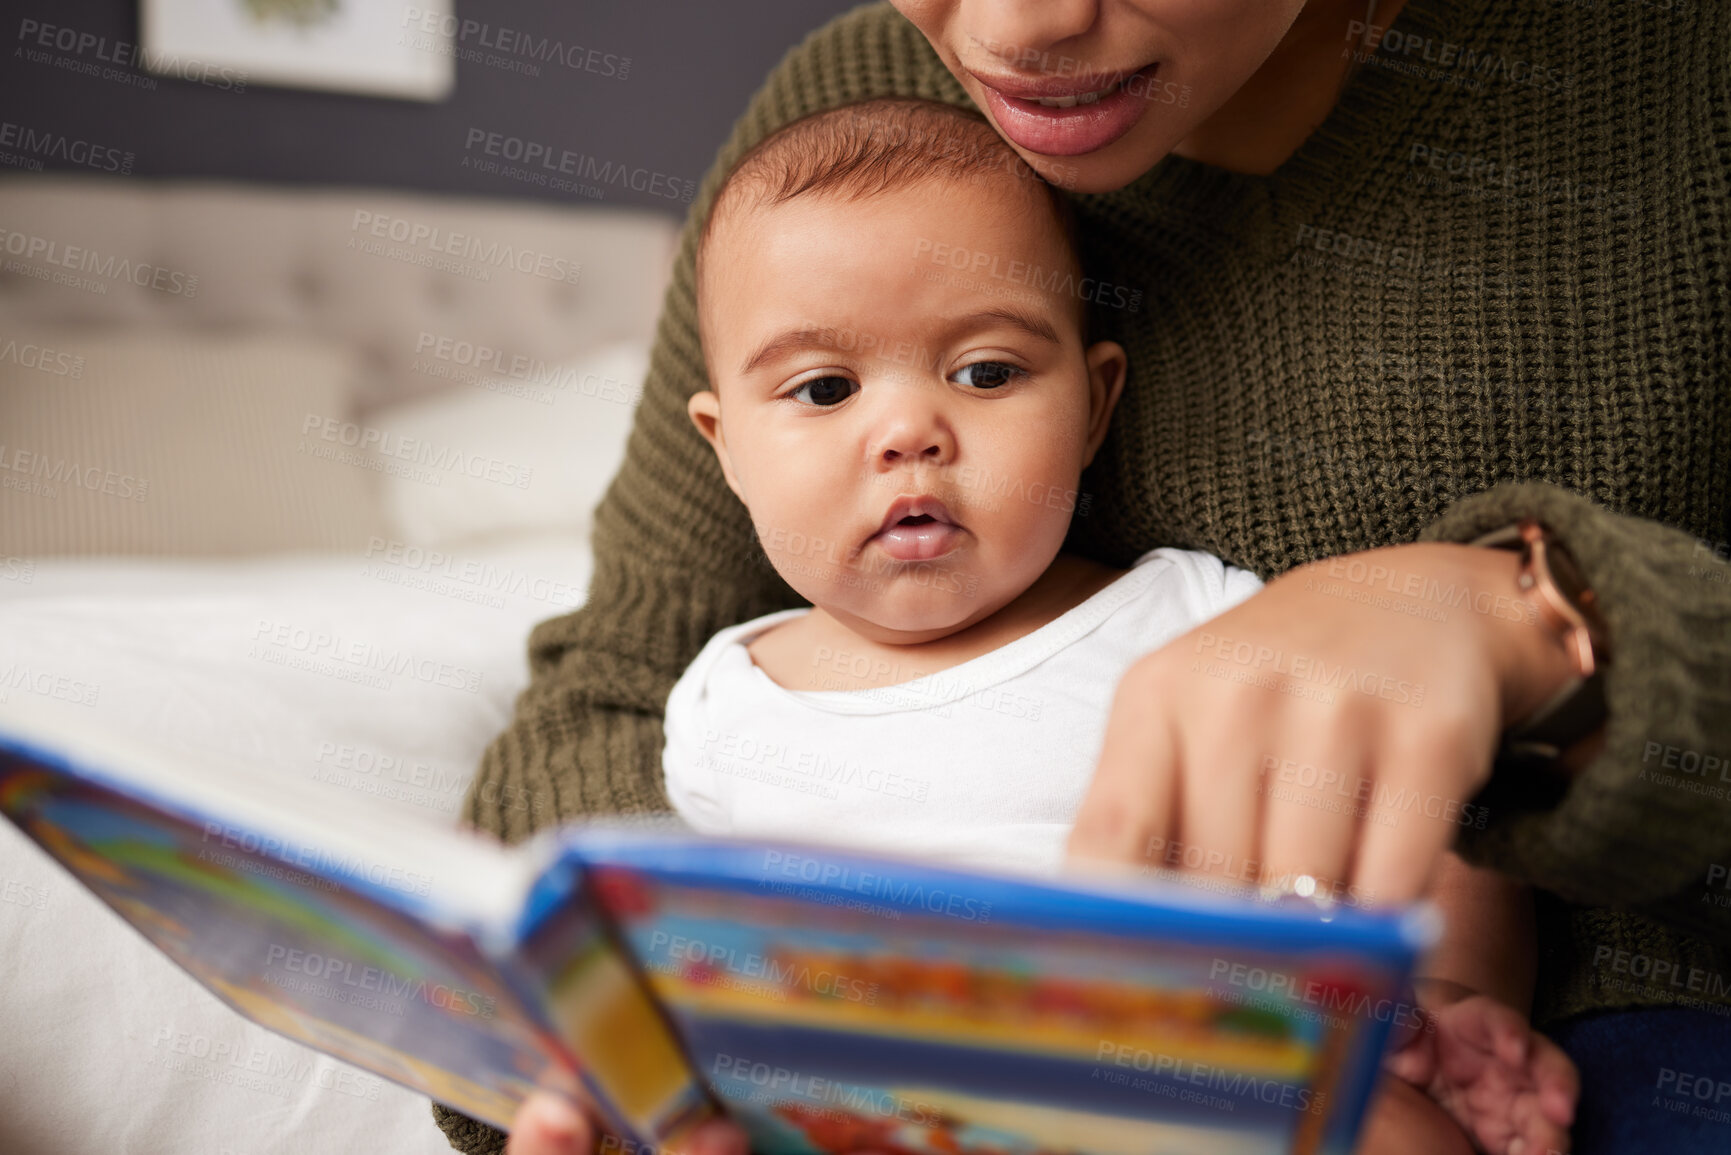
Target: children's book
(828,1000)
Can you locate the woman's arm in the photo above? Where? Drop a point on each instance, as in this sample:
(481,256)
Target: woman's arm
(1402,714)
(676,558)
(1305,733)
(1645,822)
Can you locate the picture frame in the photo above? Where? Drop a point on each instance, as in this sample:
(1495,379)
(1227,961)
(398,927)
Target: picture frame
(387,48)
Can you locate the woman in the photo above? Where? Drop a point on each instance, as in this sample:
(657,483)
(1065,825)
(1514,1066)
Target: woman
(1390,280)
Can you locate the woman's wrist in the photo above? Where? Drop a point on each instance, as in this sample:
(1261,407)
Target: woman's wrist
(1533,653)
(1479,591)
(1530,661)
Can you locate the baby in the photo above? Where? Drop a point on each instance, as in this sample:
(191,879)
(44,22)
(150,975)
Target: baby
(904,396)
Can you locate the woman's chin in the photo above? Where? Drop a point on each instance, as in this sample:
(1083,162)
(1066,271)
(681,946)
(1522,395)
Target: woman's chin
(1104,170)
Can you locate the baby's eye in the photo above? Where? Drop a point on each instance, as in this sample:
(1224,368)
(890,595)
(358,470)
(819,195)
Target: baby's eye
(827,392)
(988,374)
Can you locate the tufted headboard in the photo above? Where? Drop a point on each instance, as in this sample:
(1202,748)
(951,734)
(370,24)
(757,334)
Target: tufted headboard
(387,273)
(181,361)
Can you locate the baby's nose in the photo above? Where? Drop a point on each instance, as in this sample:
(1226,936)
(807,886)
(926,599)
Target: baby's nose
(931,452)
(915,429)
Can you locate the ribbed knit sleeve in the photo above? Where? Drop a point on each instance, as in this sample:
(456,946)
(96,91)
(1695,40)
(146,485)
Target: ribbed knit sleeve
(1642,824)
(676,558)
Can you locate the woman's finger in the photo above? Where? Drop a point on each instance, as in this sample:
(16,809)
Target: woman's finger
(715,1137)
(1412,816)
(1127,814)
(549,1124)
(1309,817)
(1220,808)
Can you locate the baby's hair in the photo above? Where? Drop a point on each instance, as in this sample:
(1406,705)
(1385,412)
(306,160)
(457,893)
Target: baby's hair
(872,147)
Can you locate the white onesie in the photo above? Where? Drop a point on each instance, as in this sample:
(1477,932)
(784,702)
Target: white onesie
(983,764)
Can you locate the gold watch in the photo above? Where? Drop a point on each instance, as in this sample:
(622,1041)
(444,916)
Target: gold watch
(1568,607)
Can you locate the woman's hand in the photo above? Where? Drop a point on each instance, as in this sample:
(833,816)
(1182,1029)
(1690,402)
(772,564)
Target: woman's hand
(1336,724)
(547,1124)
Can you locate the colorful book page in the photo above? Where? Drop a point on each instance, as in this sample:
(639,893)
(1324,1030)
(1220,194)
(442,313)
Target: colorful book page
(305,954)
(923,1013)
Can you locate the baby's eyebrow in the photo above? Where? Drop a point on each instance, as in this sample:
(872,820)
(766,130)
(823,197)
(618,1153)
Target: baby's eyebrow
(1032,324)
(813,337)
(805,337)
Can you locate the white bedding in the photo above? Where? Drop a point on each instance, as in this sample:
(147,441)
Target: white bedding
(277,665)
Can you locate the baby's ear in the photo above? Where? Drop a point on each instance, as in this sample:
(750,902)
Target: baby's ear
(1107,368)
(704,409)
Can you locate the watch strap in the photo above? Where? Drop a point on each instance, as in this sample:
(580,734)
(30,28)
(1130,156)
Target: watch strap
(1578,706)
(1574,711)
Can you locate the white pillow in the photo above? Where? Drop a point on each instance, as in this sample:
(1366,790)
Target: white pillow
(139,442)
(501,453)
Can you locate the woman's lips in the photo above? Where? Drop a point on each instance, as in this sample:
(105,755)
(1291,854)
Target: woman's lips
(919,542)
(1071,131)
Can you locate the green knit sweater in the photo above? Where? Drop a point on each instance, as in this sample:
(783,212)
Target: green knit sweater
(1496,282)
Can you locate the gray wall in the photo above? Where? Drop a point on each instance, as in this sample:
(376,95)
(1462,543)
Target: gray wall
(693,66)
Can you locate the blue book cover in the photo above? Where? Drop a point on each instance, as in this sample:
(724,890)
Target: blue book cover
(828,1000)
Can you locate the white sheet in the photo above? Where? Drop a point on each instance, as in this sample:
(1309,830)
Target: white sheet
(381,676)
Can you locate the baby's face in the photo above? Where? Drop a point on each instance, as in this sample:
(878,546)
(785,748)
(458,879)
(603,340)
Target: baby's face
(892,358)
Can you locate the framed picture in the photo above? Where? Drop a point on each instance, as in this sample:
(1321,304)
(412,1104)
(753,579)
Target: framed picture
(373,47)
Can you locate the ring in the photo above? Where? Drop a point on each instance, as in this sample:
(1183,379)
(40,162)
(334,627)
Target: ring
(1304,887)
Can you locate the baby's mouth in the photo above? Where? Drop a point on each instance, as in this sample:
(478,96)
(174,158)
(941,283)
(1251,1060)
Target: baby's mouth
(919,537)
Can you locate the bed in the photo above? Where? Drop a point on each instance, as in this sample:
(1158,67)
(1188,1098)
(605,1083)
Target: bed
(206,509)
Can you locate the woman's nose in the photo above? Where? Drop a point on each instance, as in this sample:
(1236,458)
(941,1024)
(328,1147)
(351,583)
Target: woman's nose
(1019,31)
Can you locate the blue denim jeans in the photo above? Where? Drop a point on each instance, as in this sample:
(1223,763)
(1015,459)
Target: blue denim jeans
(1655,1079)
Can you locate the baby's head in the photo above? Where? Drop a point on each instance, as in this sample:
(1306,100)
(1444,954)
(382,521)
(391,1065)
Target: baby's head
(893,324)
